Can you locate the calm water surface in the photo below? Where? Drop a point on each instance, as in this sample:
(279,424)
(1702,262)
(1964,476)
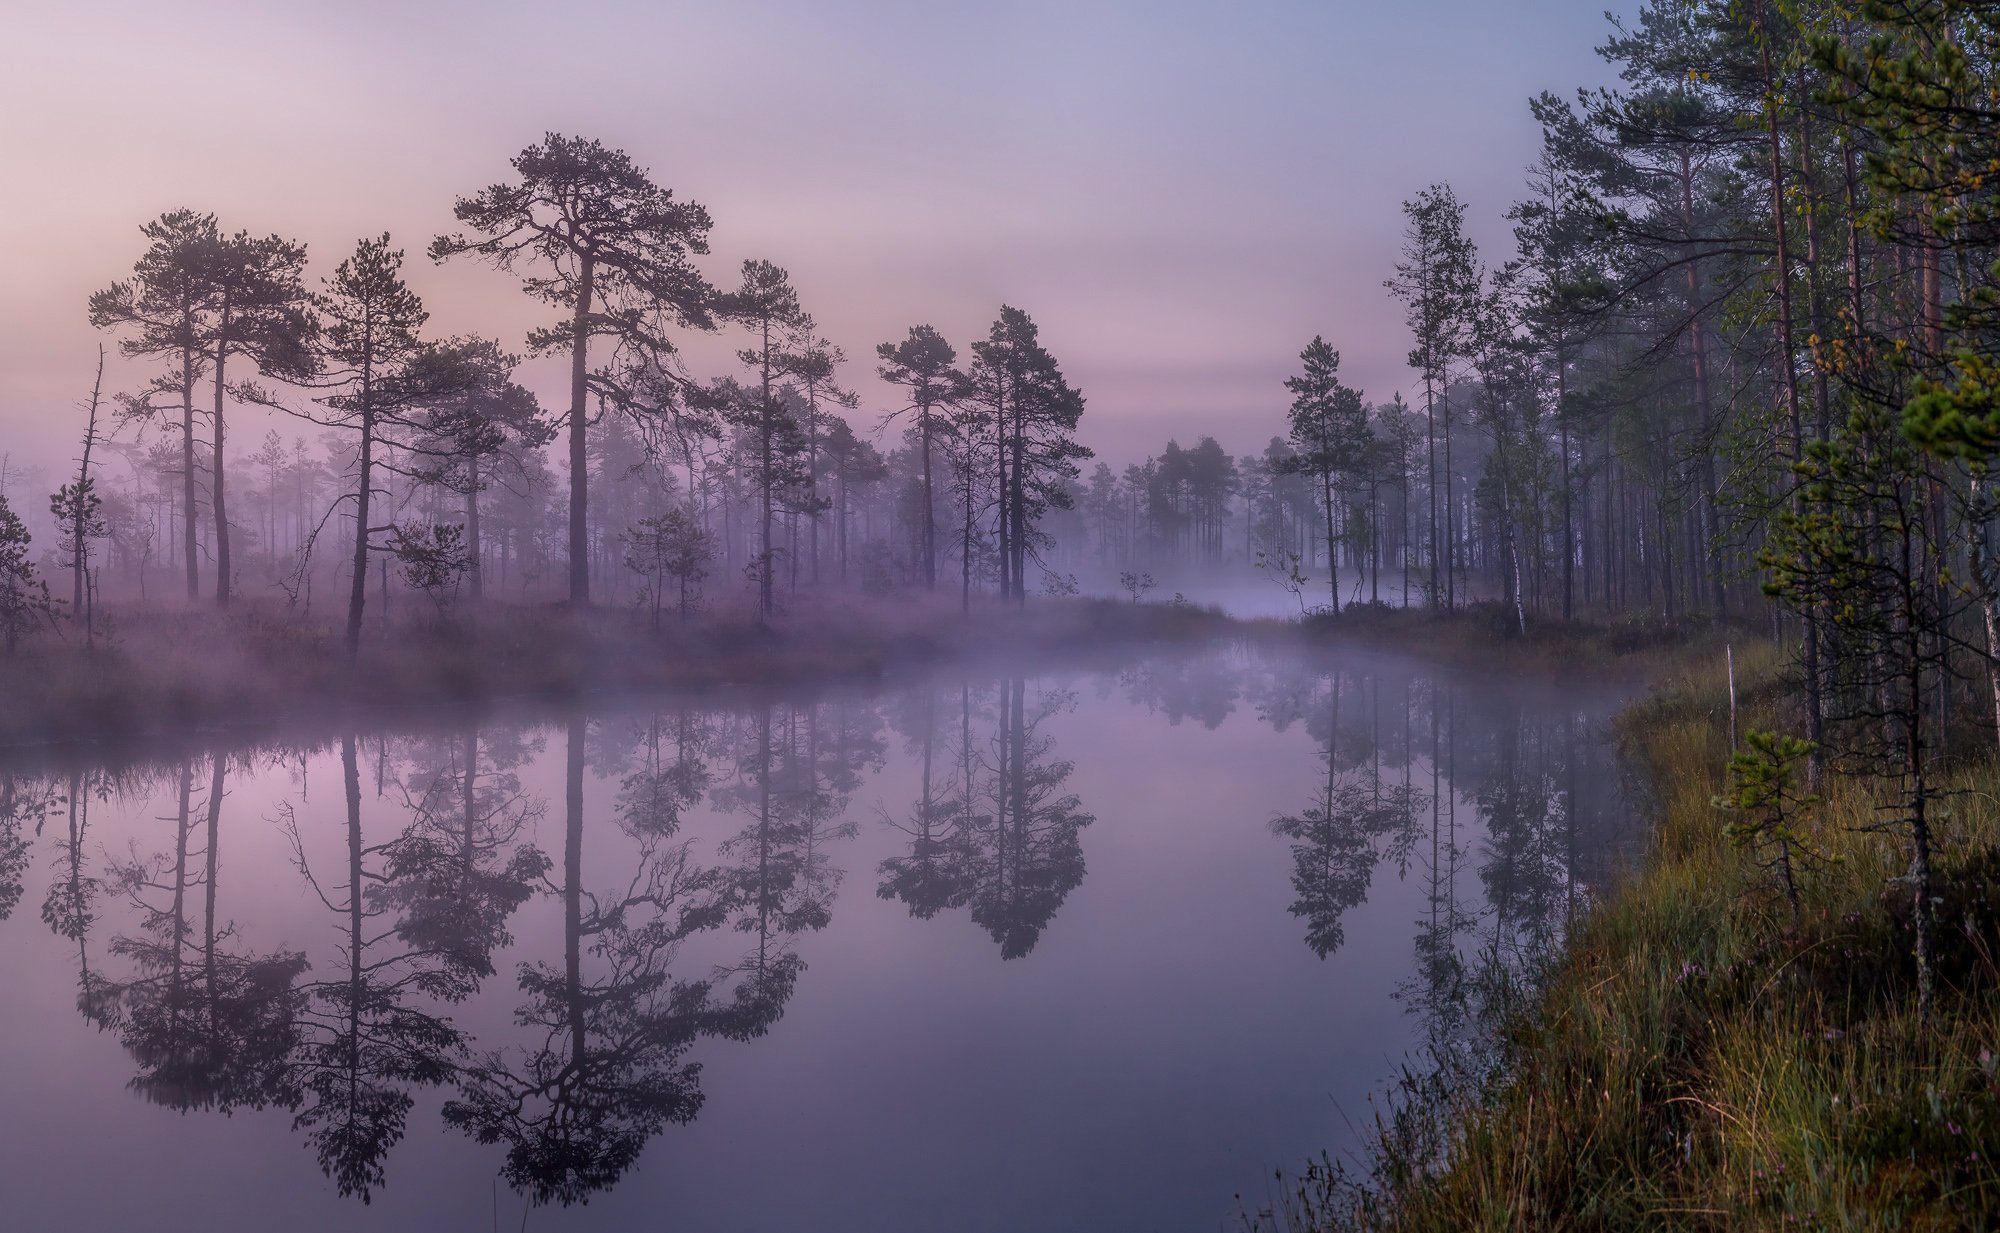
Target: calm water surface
(1002,950)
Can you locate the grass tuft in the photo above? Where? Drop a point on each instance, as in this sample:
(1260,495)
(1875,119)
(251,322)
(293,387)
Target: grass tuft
(1695,1061)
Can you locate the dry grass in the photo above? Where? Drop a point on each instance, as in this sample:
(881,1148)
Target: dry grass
(1695,1061)
(1485,637)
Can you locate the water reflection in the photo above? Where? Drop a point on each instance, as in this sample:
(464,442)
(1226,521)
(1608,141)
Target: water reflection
(601,1065)
(1006,843)
(210,1022)
(534,937)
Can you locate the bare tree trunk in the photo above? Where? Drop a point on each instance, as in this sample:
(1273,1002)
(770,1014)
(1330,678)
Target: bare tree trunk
(189,552)
(1815,716)
(1983,580)
(474,573)
(930,516)
(1430,448)
(80,510)
(1332,557)
(218,480)
(357,595)
(1704,405)
(579,463)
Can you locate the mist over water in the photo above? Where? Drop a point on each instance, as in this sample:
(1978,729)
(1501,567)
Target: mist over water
(992,950)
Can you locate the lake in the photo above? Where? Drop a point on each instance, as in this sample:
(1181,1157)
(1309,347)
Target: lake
(1081,946)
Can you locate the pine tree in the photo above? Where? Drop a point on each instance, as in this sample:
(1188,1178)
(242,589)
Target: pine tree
(611,248)
(1330,439)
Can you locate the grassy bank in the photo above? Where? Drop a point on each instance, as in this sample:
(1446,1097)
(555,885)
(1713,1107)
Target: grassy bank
(167,671)
(1697,1060)
(1486,636)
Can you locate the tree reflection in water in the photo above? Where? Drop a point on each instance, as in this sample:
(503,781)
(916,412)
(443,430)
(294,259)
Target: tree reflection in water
(604,1066)
(209,1025)
(1007,842)
(678,908)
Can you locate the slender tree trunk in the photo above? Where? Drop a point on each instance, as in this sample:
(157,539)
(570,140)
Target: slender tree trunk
(579,463)
(469,798)
(1704,405)
(218,479)
(1332,555)
(1984,582)
(965,542)
(1815,309)
(812,484)
(1787,355)
(1450,512)
(474,573)
(930,516)
(1430,487)
(1018,503)
(189,551)
(79,514)
(1568,496)
(357,595)
(1001,489)
(1374,542)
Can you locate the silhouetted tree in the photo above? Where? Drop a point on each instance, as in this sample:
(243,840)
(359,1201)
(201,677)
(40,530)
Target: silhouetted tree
(778,452)
(383,375)
(611,248)
(79,513)
(24,596)
(164,309)
(1032,414)
(475,436)
(260,311)
(670,547)
(1330,438)
(922,365)
(1437,282)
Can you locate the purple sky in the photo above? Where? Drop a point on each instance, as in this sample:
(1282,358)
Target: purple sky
(1181,194)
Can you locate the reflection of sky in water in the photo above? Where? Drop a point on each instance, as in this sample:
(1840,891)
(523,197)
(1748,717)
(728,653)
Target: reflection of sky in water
(1167,1039)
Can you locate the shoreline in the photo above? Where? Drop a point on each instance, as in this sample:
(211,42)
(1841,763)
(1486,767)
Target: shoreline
(162,673)
(1695,1058)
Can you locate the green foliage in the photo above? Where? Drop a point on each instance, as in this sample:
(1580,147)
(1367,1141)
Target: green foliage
(1769,817)
(1685,1067)
(1960,420)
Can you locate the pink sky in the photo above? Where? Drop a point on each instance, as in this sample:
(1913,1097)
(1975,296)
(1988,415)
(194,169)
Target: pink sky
(1181,194)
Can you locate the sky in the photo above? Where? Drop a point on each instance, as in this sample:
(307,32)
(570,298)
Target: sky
(1182,194)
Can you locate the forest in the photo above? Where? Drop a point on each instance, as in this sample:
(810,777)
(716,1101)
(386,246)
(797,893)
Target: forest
(1724,417)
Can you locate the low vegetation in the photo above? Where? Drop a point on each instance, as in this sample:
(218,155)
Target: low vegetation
(159,671)
(1699,1057)
(1485,635)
